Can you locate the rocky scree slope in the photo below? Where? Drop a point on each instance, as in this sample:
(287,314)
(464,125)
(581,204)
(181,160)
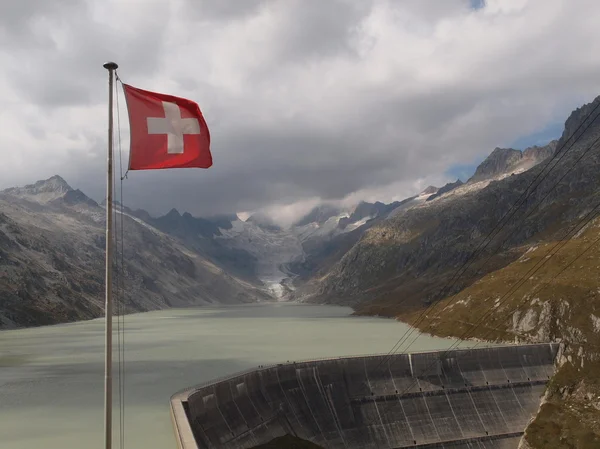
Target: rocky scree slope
(507,160)
(52,241)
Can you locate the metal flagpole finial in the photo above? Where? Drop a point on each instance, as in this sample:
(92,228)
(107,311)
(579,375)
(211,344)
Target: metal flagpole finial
(110,66)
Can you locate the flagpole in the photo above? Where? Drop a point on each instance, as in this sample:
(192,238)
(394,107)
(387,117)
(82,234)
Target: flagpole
(111,67)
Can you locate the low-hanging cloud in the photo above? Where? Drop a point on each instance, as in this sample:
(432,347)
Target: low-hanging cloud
(306,100)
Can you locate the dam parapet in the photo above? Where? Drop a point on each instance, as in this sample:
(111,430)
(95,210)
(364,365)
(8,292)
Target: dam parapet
(465,398)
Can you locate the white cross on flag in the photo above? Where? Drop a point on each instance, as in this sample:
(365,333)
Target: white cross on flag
(166,131)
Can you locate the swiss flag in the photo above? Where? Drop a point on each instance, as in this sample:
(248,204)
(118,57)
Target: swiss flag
(166,131)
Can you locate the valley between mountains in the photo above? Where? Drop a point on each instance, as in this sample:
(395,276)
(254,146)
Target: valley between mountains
(536,280)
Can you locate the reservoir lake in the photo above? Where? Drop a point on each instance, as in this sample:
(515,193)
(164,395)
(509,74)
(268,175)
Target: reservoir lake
(52,377)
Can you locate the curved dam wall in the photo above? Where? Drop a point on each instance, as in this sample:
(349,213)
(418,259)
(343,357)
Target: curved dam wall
(480,398)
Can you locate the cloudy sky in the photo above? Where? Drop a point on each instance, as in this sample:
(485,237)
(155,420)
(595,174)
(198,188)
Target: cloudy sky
(306,100)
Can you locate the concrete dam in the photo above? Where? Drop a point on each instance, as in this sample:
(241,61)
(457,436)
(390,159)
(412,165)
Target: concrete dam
(475,399)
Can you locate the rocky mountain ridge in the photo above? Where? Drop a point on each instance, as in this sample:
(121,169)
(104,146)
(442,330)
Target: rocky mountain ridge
(52,261)
(445,189)
(508,160)
(327,246)
(52,256)
(424,243)
(435,210)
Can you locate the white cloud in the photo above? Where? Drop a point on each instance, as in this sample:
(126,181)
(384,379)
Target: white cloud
(340,100)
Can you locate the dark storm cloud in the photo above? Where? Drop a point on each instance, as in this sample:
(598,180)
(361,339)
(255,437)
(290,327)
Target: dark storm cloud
(304,98)
(17,17)
(62,52)
(210,10)
(250,169)
(319,29)
(254,167)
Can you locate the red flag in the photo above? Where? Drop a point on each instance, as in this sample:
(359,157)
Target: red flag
(166,131)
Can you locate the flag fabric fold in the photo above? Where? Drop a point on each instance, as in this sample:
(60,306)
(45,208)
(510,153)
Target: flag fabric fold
(166,131)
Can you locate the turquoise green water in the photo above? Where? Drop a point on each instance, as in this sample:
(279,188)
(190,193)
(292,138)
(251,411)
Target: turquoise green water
(52,378)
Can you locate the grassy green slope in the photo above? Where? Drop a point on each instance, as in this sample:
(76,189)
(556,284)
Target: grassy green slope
(554,304)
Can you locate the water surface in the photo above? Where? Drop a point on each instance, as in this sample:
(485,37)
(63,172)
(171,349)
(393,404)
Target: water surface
(52,378)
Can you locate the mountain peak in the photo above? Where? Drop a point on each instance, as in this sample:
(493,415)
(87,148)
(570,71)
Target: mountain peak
(319,214)
(53,184)
(498,162)
(577,118)
(429,190)
(447,188)
(42,191)
(540,153)
(173,213)
(505,161)
(57,179)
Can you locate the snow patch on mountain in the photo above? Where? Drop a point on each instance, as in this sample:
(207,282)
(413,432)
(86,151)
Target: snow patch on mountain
(272,249)
(357,224)
(462,190)
(315,229)
(414,202)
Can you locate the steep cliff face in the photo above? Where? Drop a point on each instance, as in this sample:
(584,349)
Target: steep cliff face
(498,162)
(52,261)
(402,262)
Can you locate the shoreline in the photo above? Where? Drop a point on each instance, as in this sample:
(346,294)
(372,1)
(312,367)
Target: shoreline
(290,303)
(274,302)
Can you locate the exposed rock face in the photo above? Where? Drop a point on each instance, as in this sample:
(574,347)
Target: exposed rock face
(499,161)
(540,153)
(429,190)
(507,160)
(52,261)
(447,188)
